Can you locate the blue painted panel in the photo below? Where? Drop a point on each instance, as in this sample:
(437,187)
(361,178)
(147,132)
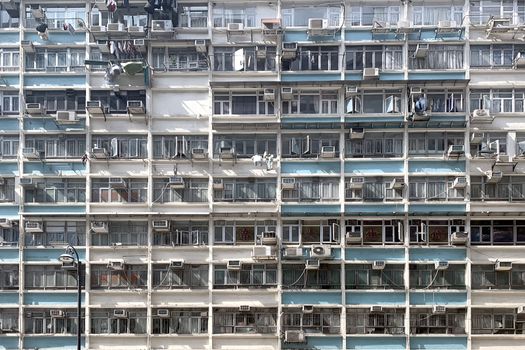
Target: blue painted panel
(438,343)
(50,125)
(64,169)
(52,298)
(437,209)
(310,210)
(56,81)
(52,343)
(375,119)
(302,77)
(314,298)
(373,167)
(9,211)
(442,298)
(436,75)
(354,76)
(8,169)
(48,254)
(9,38)
(8,343)
(8,298)
(371,254)
(317,343)
(311,168)
(360,35)
(11,80)
(295,36)
(9,124)
(437,254)
(57,37)
(375,298)
(391,76)
(437,167)
(375,209)
(55,209)
(312,119)
(9,256)
(373,343)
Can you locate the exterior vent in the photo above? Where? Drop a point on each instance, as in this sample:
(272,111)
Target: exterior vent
(116,265)
(66,117)
(356,183)
(201,46)
(163,313)
(321,252)
(459,238)
(441,265)
(312,264)
(370,73)
(117,182)
(161,225)
(176,264)
(136,107)
(234,265)
(357,133)
(503,266)
(99,153)
(161,26)
(33,227)
(378,265)
(30,153)
(120,313)
(288,183)
(99,227)
(294,337)
(269,95)
(328,152)
(439,309)
(176,182)
(292,253)
(235,27)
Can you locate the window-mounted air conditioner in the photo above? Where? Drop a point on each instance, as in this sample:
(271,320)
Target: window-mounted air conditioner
(201,46)
(460,182)
(98,29)
(115,27)
(244,308)
(161,26)
(447,24)
(5,223)
(136,29)
(176,264)
(456,150)
(317,24)
(176,182)
(441,265)
(30,153)
(288,50)
(378,265)
(312,264)
(33,227)
(116,265)
(27,182)
(357,133)
(421,51)
(376,308)
(163,313)
(459,238)
(269,238)
(136,107)
(396,184)
(99,153)
(56,313)
(120,313)
(370,73)
(356,183)
(218,184)
(234,265)
(117,182)
(263,253)
(481,116)
(235,27)
(328,152)
(353,237)
(66,117)
(99,227)
(494,176)
(269,94)
(288,183)
(503,265)
(294,337)
(439,309)
(161,225)
(286,93)
(34,108)
(199,153)
(351,91)
(260,52)
(94,107)
(307,309)
(476,138)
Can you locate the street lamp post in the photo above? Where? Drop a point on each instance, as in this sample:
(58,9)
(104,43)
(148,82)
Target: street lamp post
(69,259)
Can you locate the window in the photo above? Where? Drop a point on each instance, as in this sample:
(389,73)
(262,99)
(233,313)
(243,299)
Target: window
(183,234)
(364,277)
(116,102)
(7,190)
(423,276)
(241,232)
(179,59)
(387,57)
(434,189)
(233,321)
(57,233)
(375,231)
(58,101)
(494,56)
(364,321)
(181,321)
(311,102)
(9,277)
(244,59)
(375,145)
(425,322)
(178,146)
(241,103)
(373,189)
(313,58)
(116,321)
(195,190)
(306,146)
(9,60)
(54,60)
(432,15)
(225,14)
(496,321)
(61,147)
(57,17)
(250,276)
(433,143)
(133,233)
(298,15)
(133,276)
(57,191)
(434,231)
(509,189)
(10,103)
(326,277)
(498,101)
(246,145)
(380,101)
(321,320)
(311,231)
(122,147)
(482,10)
(313,189)
(246,190)
(42,322)
(9,318)
(9,236)
(9,17)
(486,277)
(132,191)
(50,277)
(291,232)
(190,276)
(438,57)
(193,15)
(363,15)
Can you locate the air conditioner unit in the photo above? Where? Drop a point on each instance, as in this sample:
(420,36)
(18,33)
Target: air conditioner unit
(456,150)
(292,253)
(317,23)
(260,52)
(288,183)
(357,133)
(136,107)
(5,223)
(519,60)
(27,182)
(99,153)
(218,184)
(504,158)
(234,265)
(286,93)
(98,29)
(163,313)
(263,253)
(441,265)
(439,309)
(376,308)
(30,153)
(460,182)
(66,117)
(176,182)
(135,29)
(421,51)
(447,24)
(381,27)
(140,45)
(117,182)
(416,91)
(235,27)
(56,313)
(199,153)
(503,266)
(312,264)
(200,46)
(34,108)
(370,73)
(353,237)
(269,94)
(161,225)
(328,152)
(404,26)
(494,176)
(33,227)
(269,238)
(350,91)
(520,310)
(116,264)
(27,46)
(321,252)
(294,337)
(481,116)
(288,51)
(396,184)
(378,265)
(176,264)
(115,27)
(476,138)
(244,308)
(94,107)
(226,153)
(459,238)
(356,183)
(161,26)
(120,313)
(307,309)
(99,227)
